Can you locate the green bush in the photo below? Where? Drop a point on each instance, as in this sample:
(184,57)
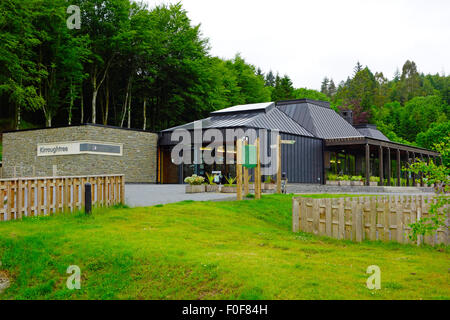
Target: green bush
(375,179)
(355,178)
(194,180)
(332,176)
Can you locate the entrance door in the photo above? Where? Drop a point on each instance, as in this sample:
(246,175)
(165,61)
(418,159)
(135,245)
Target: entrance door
(169,170)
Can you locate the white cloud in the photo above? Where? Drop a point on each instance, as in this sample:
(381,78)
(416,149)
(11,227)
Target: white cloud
(311,39)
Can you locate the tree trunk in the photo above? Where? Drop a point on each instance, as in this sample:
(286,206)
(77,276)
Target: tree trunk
(105,115)
(96,87)
(18,117)
(124,111)
(82,105)
(129,111)
(145,115)
(71,104)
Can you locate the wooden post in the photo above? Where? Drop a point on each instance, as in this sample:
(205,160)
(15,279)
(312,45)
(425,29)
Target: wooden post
(279,164)
(421,173)
(413,174)
(122,190)
(380,160)
(367,164)
(398,168)
(258,171)
(389,165)
(246,176)
(409,164)
(239,169)
(295,214)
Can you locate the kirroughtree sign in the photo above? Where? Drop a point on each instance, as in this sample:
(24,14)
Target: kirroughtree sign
(79,147)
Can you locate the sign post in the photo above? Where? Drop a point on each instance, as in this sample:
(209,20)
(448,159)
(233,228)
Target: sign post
(257,172)
(239,169)
(246,167)
(279,164)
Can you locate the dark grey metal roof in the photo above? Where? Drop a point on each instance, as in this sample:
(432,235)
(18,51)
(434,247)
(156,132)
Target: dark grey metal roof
(318,119)
(276,119)
(272,119)
(370,131)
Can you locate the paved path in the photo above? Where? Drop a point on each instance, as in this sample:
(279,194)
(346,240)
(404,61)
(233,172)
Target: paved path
(143,195)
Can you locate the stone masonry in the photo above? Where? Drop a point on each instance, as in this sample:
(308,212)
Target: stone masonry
(138,162)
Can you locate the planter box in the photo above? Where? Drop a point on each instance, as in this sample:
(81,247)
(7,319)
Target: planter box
(195,188)
(357,183)
(373,183)
(344,183)
(212,188)
(269,186)
(228,189)
(332,182)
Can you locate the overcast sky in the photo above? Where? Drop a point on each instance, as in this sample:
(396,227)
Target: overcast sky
(309,40)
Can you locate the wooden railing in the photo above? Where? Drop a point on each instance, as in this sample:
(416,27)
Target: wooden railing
(385,218)
(26,197)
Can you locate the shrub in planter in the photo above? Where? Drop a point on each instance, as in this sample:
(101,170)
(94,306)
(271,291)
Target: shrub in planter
(344,180)
(356,181)
(195,184)
(268,184)
(212,186)
(374,181)
(230,187)
(332,179)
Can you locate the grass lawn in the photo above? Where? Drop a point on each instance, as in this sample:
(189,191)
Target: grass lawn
(207,250)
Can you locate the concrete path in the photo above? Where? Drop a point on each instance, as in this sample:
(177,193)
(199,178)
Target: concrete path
(143,195)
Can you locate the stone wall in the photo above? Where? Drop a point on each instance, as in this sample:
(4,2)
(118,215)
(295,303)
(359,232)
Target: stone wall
(138,162)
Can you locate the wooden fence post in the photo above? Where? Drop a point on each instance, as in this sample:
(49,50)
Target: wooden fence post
(295,215)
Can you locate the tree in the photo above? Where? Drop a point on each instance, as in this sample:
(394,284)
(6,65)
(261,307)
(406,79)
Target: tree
(438,175)
(283,90)
(434,135)
(324,86)
(19,75)
(331,88)
(409,82)
(358,67)
(104,21)
(270,79)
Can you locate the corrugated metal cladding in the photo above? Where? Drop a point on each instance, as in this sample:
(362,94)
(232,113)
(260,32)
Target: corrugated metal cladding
(303,160)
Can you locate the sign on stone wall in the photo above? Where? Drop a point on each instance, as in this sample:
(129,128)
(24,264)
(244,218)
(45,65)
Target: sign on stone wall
(79,147)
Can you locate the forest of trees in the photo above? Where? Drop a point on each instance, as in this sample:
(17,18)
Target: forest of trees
(134,66)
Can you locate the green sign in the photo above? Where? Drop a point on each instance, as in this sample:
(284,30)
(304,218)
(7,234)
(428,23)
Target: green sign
(249,156)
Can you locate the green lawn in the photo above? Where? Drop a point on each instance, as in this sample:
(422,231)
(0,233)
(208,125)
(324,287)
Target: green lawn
(207,250)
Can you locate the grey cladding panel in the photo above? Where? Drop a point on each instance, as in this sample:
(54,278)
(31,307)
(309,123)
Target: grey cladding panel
(302,161)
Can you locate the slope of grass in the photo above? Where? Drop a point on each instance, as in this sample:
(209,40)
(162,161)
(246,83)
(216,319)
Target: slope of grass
(207,250)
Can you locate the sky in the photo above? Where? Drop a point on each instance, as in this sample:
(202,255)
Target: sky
(309,40)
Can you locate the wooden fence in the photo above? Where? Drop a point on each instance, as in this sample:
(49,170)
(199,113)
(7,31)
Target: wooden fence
(26,197)
(383,218)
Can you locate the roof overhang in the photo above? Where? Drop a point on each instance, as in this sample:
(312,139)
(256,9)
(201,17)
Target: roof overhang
(376,142)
